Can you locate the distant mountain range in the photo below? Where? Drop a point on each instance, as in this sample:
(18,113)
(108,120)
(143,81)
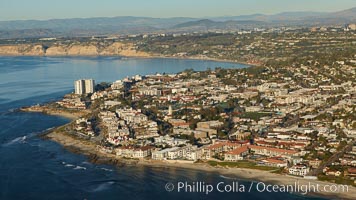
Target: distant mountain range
(134,25)
(342,16)
(209,24)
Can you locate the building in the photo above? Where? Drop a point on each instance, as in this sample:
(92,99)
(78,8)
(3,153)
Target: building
(351,172)
(314,163)
(84,86)
(220,147)
(209,124)
(351,26)
(142,152)
(237,154)
(171,141)
(275,162)
(163,154)
(330,172)
(176,153)
(132,152)
(270,151)
(72,102)
(150,91)
(299,170)
(79,87)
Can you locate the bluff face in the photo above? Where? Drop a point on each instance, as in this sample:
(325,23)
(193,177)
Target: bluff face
(26,49)
(114,49)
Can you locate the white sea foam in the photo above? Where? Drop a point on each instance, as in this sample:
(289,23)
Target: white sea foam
(226,177)
(21,139)
(86,163)
(103,186)
(80,167)
(109,170)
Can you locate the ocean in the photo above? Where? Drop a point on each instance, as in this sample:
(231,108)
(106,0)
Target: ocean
(33,168)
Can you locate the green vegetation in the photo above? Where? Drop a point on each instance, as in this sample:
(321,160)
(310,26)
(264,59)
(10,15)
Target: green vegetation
(254,115)
(241,164)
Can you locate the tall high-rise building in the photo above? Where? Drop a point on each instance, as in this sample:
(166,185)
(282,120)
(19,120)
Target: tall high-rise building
(84,86)
(79,87)
(89,86)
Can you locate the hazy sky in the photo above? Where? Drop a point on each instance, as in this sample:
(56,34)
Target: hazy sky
(49,9)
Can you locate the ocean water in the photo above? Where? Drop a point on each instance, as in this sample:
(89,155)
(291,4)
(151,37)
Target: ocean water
(33,168)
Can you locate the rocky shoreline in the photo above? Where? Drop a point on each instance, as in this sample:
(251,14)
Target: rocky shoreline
(48,111)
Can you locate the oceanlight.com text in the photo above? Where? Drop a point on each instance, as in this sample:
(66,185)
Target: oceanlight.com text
(236,187)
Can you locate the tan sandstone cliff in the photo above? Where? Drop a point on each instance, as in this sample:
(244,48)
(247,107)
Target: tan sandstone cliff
(25,49)
(114,49)
(56,51)
(83,50)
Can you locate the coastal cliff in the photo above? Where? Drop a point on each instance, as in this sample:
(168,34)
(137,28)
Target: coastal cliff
(25,49)
(87,49)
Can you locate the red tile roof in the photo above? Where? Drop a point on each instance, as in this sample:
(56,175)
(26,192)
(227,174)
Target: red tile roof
(352,170)
(222,144)
(238,151)
(273,149)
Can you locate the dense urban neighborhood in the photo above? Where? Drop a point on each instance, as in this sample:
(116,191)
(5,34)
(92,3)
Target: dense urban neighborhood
(293,115)
(178,100)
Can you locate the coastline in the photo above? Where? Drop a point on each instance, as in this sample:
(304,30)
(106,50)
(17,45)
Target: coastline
(47,111)
(195,58)
(87,148)
(151,56)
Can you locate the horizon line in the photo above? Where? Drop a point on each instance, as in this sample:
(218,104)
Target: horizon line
(203,17)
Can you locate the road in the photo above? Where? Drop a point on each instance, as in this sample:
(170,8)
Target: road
(332,159)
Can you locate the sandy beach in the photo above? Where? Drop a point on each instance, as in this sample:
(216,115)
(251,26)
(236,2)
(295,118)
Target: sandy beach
(261,176)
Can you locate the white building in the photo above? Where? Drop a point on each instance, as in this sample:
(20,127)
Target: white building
(299,170)
(175,153)
(84,86)
(163,154)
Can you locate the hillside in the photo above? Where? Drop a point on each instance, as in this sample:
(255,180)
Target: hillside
(82,27)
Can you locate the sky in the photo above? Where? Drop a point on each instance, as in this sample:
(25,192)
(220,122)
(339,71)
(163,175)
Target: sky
(59,9)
